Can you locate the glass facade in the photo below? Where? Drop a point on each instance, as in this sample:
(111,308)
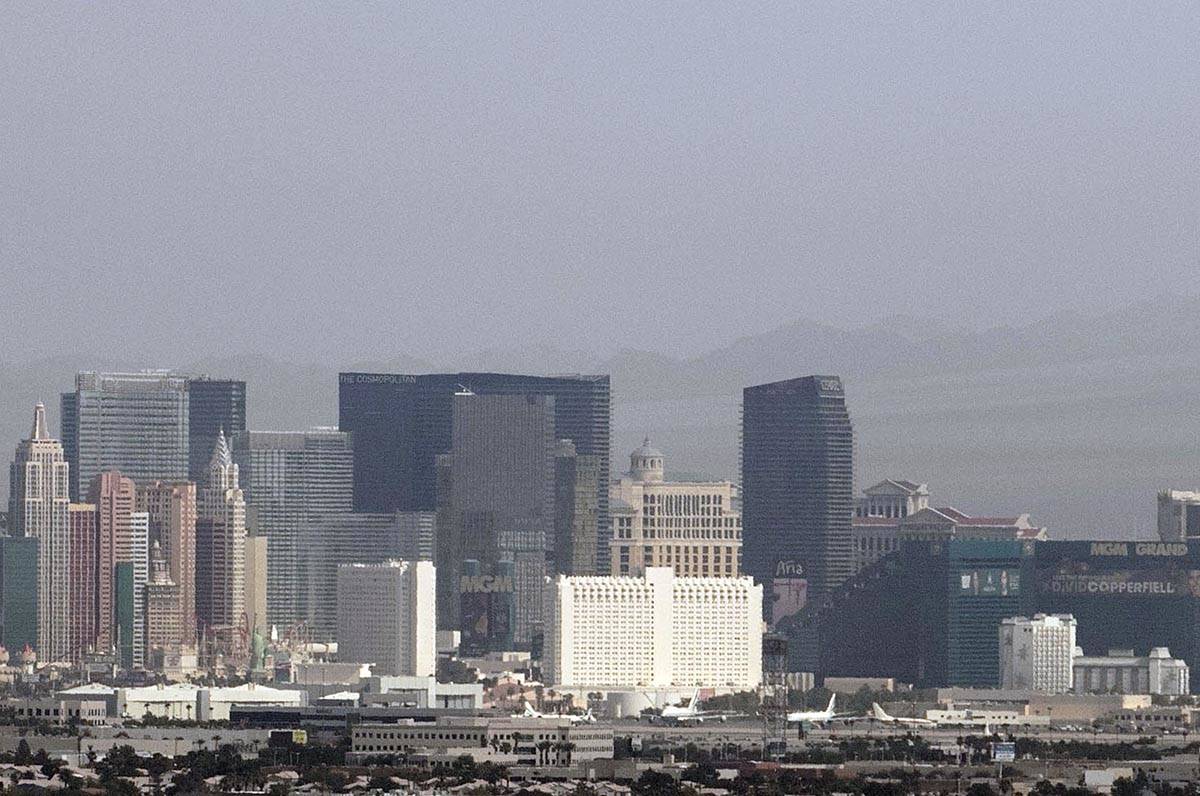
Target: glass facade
(213,405)
(402,422)
(985,584)
(18,593)
(1124,595)
(502,498)
(288,479)
(125,590)
(797,494)
(930,612)
(136,423)
(329,540)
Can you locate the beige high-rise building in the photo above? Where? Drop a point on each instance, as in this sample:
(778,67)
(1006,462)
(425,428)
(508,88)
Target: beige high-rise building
(114,496)
(221,553)
(256,583)
(163,611)
(82,520)
(171,507)
(38,506)
(689,526)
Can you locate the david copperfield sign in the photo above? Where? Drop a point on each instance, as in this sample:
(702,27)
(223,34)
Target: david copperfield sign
(1134,583)
(1151,570)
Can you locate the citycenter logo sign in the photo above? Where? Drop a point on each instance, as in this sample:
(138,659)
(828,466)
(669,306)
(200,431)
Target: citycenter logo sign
(1139,548)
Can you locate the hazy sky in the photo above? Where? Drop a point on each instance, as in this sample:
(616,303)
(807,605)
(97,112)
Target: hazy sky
(317,179)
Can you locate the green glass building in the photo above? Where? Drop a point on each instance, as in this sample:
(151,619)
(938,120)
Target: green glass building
(18,592)
(124,610)
(987,582)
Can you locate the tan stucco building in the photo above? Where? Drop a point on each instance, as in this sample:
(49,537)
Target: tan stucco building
(689,526)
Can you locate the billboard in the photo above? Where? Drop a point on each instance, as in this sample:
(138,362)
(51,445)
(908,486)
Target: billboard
(1004,752)
(788,593)
(1127,583)
(486,606)
(788,598)
(990,582)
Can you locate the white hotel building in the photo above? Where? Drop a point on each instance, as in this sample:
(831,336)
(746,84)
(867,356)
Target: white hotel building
(653,631)
(1038,654)
(386,616)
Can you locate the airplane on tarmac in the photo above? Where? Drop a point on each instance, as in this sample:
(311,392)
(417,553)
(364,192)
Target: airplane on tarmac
(692,712)
(575,718)
(878,714)
(818,716)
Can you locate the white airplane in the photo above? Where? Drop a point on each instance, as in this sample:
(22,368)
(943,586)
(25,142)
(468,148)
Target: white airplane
(575,718)
(817,716)
(692,712)
(877,714)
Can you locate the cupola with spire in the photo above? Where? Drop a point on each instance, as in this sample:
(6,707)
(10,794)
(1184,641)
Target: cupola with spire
(646,463)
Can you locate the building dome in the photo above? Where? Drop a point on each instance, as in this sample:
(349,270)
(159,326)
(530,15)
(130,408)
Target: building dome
(3,656)
(647,450)
(646,463)
(28,656)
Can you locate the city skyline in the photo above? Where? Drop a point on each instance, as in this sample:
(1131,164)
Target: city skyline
(1076,503)
(1075,451)
(650,399)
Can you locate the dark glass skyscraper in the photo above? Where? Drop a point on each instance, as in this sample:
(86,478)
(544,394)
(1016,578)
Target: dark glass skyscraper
(213,405)
(797,482)
(575,481)
(401,422)
(501,508)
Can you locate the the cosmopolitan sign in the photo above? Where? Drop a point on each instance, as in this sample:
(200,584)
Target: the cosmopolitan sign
(377,378)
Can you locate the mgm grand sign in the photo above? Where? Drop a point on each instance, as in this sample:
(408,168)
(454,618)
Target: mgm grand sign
(1162,549)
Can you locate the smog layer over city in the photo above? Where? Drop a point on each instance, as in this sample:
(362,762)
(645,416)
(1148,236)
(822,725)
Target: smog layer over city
(612,399)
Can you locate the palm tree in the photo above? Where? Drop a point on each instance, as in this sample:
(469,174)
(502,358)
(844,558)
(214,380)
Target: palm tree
(543,748)
(568,747)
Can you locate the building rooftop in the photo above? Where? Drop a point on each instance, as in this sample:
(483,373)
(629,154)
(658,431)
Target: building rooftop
(647,450)
(890,486)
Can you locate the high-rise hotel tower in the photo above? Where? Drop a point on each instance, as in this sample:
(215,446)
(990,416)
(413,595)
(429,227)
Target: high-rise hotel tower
(136,423)
(39,497)
(221,550)
(402,422)
(797,491)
